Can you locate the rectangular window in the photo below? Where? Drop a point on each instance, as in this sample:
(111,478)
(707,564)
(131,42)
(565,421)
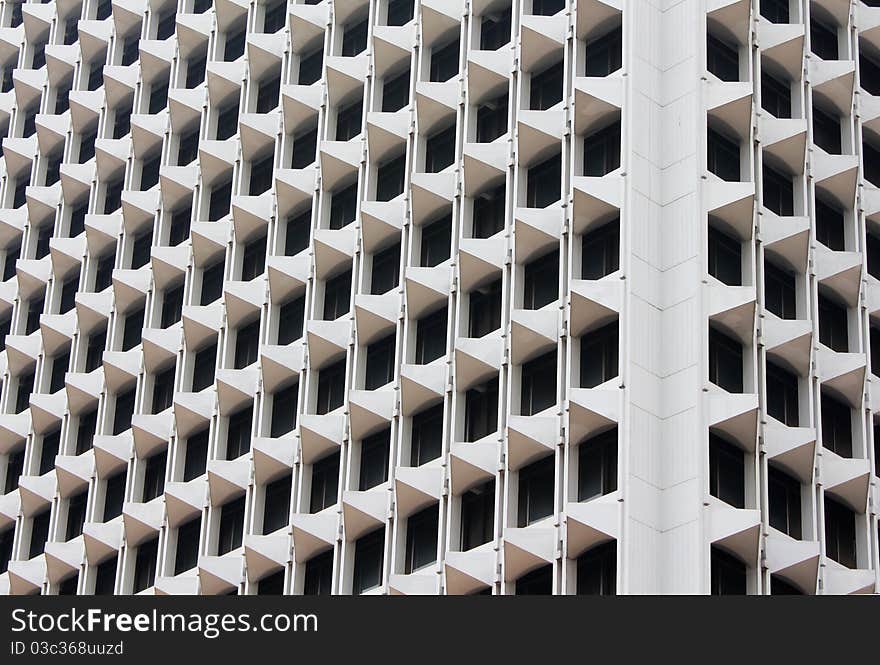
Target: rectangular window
(267,94)
(836,426)
(290,320)
(386,270)
(337,296)
(873,253)
(188,150)
(14,469)
(380,363)
(369,554)
(390,178)
(440,150)
(114,496)
(597,571)
(303,149)
(227,122)
(203,368)
(310,67)
(778,192)
(59,372)
(298,232)
(123,412)
(39,533)
(331,388)
(163,390)
(605,53)
(140,249)
(602,151)
(492,120)
(212,283)
(23,396)
(78,220)
(840,533)
(374,460)
(354,38)
(238,433)
(261,175)
(871,163)
(823,38)
(35,308)
(145,565)
(158,97)
(536,583)
(775,11)
(780,291)
(536,491)
(481,410)
(62,99)
(444,62)
(76,515)
(121,122)
(727,472)
(187,554)
(87,146)
(538,385)
(113,196)
(544,185)
(395,92)
(12,256)
(134,326)
(104,271)
(421,539)
(484,311)
(431,337)
(44,235)
(105,575)
(233,49)
(784,501)
(348,120)
(495,30)
(541,281)
(545,90)
(869,73)
(597,466)
(276,506)
(830,226)
(253,263)
(833,328)
(427,435)
(319,575)
(436,242)
(195,70)
(489,212)
(196,458)
(343,207)
(325,483)
(600,251)
(154,476)
(725,257)
(172,306)
(49,451)
(284,407)
(722,58)
(166,25)
(478,516)
(68,294)
(599,355)
(722,157)
(725,361)
(275,17)
(400,12)
(782,395)
(85,432)
(826,131)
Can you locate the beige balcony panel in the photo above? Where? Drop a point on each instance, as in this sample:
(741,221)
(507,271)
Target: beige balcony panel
(363,512)
(736,530)
(183,501)
(592,523)
(169,265)
(120,83)
(279,362)
(299,104)
(22,352)
(868,21)
(258,132)
(593,304)
(294,188)
(594,15)
(14,428)
(333,250)
(130,287)
(533,332)
(370,411)
(36,492)
(597,101)
(327,341)
(156,56)
(596,200)
(287,275)
(539,134)
(273,458)
(265,554)
(181,585)
(209,240)
(142,521)
(250,215)
(375,316)
(422,386)
(243,300)
(735,415)
(313,533)
(429,194)
(536,231)
(387,133)
(485,165)
(591,411)
(423,583)
(228,479)
(784,139)
(836,175)
(840,581)
(339,161)
(61,61)
(102,232)
(783,45)
(200,324)
(732,203)
(83,389)
(73,472)
(733,15)
(833,81)
(102,540)
(160,347)
(112,453)
(8,295)
(151,432)
(733,309)
(185,107)
(177,184)
(541,40)
(436,103)
(789,341)
(42,202)
(392,46)
(265,53)
(841,272)
(480,260)
(872,298)
(439,18)
(843,372)
(12,225)
(786,237)
(32,275)
(11,40)
(426,288)
(488,74)
(128,13)
(847,479)
(224,80)
(344,76)
(94,37)
(47,411)
(85,106)
(139,208)
(416,488)
(530,438)
(28,85)
(27,577)
(526,549)
(51,130)
(192,412)
(381,222)
(320,435)
(10,507)
(308,24)
(477,360)
(467,572)
(236,388)
(64,559)
(19,154)
(66,255)
(471,464)
(797,561)
(219,574)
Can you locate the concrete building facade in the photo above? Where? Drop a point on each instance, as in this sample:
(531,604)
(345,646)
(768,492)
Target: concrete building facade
(439,297)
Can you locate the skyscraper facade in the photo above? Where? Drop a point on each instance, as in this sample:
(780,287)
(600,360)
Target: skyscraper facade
(439,297)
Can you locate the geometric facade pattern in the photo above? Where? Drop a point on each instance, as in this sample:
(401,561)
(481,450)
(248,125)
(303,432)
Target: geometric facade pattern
(439,297)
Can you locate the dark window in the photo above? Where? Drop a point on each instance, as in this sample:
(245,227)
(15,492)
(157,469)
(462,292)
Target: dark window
(14,469)
(113,196)
(431,337)
(39,59)
(212,283)
(836,426)
(76,514)
(273,21)
(725,257)
(187,555)
(873,254)
(444,62)
(386,270)
(400,12)
(826,131)
(23,396)
(600,251)
(49,451)
(319,575)
(390,178)
(303,149)
(85,432)
(59,371)
(875,350)
(485,310)
(779,291)
(4,331)
(489,212)
(481,410)
(605,53)
(105,575)
(728,574)
(869,73)
(203,368)
(145,565)
(495,30)
(114,496)
(290,320)
(140,249)
(12,255)
(840,533)
(267,94)
(69,586)
(310,66)
(536,491)
(436,242)
(121,123)
(276,507)
(778,192)
(421,538)
(35,308)
(830,226)
(599,355)
(478,516)
(348,120)
(158,97)
(727,472)
(380,363)
(284,406)
(784,500)
(253,262)
(538,385)
(53,169)
(227,122)
(871,163)
(354,38)
(71,28)
(833,329)
(68,294)
(238,433)
(196,458)
(7,83)
(427,435)
(325,483)
(261,175)
(541,281)
(30,122)
(440,150)
(172,306)
(597,571)
(62,99)
(188,150)
(87,146)
(163,390)
(725,361)
(547,7)
(39,533)
(195,70)
(272,585)
(331,388)
(775,11)
(597,466)
(823,38)
(782,395)
(104,271)
(395,92)
(123,412)
(343,207)
(234,47)
(44,235)
(374,460)
(722,59)
(78,220)
(602,151)
(154,476)
(96,75)
(545,90)
(779,587)
(544,186)
(722,156)
(536,583)
(134,325)
(166,25)
(296,239)
(369,553)
(337,296)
